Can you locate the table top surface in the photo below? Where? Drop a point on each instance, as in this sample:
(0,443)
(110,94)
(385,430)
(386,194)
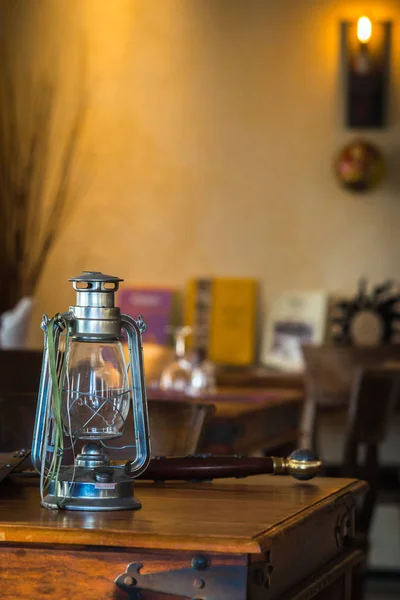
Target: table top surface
(258,376)
(232,402)
(232,516)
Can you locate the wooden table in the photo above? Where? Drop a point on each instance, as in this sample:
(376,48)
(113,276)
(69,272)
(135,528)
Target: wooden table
(256,539)
(247,419)
(259,377)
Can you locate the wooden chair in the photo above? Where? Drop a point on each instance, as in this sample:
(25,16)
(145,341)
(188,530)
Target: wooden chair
(329,377)
(373,399)
(363,383)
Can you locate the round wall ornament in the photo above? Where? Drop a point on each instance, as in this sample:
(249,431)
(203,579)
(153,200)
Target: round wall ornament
(360,166)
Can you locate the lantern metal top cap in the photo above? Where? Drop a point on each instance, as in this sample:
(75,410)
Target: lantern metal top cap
(95,289)
(95,276)
(95,315)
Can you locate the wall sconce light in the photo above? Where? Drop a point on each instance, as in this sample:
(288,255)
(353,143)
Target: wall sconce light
(365,56)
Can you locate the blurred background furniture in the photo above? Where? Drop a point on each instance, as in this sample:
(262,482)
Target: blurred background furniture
(329,376)
(246,420)
(373,399)
(351,418)
(258,377)
(177,427)
(19,384)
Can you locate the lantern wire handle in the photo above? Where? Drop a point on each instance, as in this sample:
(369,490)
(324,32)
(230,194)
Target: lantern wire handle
(57,373)
(69,432)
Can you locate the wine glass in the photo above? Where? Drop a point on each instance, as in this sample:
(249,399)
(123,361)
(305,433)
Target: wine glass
(177,376)
(203,375)
(192,373)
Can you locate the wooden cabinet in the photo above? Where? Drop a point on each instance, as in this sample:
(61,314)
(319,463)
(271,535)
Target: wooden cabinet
(261,538)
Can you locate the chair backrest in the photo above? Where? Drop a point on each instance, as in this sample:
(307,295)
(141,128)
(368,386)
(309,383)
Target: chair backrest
(330,370)
(374,396)
(373,400)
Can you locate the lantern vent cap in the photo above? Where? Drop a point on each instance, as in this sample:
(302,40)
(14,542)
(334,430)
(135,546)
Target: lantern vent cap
(95,276)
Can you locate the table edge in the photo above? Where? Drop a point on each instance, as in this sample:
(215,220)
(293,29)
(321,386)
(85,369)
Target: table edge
(354,488)
(25,533)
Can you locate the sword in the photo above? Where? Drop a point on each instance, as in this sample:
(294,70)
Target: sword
(301,464)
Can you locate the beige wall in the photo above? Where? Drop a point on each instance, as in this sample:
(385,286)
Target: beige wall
(209,143)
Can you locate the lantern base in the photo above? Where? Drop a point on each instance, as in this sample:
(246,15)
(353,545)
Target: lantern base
(91,504)
(92,490)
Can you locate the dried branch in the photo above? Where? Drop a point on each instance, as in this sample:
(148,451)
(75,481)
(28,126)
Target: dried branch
(32,211)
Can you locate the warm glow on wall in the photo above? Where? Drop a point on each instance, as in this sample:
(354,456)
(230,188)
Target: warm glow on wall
(364,29)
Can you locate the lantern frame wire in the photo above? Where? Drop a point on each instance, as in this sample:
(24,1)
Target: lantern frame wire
(57,328)
(58,366)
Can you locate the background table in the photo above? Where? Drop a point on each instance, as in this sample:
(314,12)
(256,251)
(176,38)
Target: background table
(247,419)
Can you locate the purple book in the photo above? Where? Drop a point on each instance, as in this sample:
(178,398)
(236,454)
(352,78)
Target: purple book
(156,307)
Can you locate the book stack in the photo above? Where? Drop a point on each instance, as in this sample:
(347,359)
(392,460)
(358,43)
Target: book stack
(158,306)
(293,319)
(222,313)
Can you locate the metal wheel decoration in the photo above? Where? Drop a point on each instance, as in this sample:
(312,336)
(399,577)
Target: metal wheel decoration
(368,318)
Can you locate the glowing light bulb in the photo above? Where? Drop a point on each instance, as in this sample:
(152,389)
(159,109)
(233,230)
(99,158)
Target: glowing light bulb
(364,29)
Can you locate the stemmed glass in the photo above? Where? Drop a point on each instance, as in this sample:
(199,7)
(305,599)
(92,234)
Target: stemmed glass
(189,373)
(177,375)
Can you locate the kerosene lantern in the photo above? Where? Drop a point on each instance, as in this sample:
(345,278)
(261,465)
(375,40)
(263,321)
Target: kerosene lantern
(86,393)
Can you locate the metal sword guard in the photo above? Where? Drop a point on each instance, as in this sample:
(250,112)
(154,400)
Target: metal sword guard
(301,464)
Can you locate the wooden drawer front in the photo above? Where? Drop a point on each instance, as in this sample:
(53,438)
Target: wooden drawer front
(61,573)
(334,582)
(310,543)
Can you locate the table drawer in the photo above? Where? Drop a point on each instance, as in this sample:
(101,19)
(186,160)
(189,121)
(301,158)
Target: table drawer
(29,573)
(333,582)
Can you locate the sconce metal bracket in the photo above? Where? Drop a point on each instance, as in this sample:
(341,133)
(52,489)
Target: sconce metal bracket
(365,76)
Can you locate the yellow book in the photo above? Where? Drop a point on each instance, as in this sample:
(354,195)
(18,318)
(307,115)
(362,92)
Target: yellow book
(223,314)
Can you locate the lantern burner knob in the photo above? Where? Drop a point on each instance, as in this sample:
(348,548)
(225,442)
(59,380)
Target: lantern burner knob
(91,456)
